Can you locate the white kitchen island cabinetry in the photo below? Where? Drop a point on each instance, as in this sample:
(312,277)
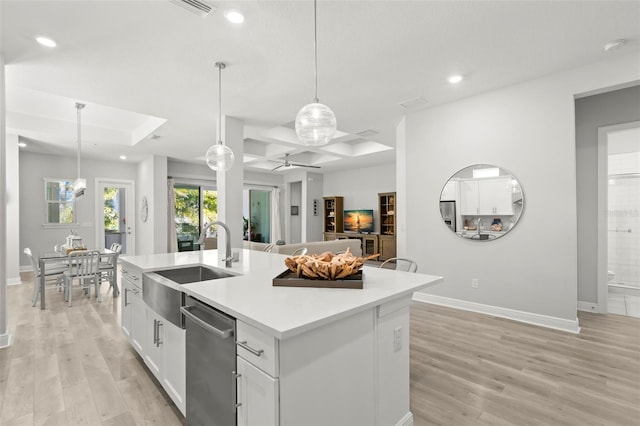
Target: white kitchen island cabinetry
(165,355)
(133,309)
(310,355)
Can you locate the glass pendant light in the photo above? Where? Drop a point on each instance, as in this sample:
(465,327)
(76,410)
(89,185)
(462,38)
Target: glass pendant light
(219,156)
(80,184)
(315,122)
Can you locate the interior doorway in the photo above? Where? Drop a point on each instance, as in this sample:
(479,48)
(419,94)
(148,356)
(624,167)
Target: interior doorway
(619,228)
(115,214)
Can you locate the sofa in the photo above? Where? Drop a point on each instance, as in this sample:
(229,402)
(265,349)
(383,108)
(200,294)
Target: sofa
(317,247)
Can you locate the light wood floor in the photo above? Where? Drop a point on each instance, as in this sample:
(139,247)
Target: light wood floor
(72,366)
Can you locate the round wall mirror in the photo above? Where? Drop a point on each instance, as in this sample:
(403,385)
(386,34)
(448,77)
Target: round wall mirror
(481,202)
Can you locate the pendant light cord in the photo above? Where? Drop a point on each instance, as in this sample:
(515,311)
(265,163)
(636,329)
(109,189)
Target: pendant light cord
(79,107)
(220,66)
(315,49)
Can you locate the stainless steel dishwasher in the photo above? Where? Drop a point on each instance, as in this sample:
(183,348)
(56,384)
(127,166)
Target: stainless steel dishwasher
(211,364)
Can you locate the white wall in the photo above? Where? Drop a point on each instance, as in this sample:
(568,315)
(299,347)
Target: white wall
(529,130)
(295,222)
(592,112)
(151,235)
(360,187)
(13,209)
(33,169)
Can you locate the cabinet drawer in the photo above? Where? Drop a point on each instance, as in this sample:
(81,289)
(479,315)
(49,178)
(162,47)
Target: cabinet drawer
(133,275)
(257,347)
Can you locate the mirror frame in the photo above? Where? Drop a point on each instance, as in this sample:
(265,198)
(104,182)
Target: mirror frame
(493,192)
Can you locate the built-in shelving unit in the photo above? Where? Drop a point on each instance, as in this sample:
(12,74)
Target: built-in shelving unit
(333,210)
(387,213)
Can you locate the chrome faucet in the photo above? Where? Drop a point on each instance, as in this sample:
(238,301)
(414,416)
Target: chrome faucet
(228,259)
(479,224)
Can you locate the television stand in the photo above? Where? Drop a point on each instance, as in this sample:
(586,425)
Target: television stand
(368,242)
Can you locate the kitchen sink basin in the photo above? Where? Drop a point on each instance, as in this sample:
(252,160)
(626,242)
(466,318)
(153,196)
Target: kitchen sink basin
(167,300)
(193,274)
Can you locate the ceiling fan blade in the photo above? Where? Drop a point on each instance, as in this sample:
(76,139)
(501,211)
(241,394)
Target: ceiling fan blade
(304,165)
(276,168)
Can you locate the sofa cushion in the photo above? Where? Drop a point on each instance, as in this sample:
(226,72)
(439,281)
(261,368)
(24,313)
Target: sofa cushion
(317,247)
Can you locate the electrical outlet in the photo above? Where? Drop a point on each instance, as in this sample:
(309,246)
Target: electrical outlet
(474,283)
(397,339)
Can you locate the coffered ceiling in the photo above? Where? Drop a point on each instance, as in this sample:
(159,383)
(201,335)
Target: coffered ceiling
(146,70)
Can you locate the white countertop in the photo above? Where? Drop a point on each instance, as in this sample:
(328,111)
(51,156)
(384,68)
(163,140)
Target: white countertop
(282,311)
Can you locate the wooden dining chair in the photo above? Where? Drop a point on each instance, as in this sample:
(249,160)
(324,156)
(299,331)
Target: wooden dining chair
(400,264)
(83,267)
(53,271)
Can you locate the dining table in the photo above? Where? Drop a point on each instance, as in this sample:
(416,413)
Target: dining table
(61,256)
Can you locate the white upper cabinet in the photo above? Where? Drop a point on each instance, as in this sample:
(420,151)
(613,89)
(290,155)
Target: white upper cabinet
(486,197)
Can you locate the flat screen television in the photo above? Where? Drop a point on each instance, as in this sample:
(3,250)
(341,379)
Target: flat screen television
(358,221)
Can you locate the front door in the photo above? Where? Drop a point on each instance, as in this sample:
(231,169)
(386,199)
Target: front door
(115,214)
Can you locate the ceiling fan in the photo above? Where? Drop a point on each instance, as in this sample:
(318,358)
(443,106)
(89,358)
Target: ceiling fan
(289,164)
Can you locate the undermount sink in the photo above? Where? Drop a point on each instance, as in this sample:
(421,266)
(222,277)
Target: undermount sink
(193,274)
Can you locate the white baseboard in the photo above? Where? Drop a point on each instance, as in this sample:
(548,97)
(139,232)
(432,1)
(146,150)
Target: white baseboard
(5,340)
(407,420)
(14,281)
(512,314)
(587,306)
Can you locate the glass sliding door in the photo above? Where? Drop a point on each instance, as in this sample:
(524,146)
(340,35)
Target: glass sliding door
(257,215)
(187,201)
(194,206)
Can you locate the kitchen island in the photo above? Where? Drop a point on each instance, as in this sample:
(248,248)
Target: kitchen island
(314,356)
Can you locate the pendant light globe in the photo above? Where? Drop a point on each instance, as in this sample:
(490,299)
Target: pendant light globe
(315,124)
(219,157)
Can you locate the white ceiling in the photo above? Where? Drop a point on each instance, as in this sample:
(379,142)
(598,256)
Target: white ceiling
(138,63)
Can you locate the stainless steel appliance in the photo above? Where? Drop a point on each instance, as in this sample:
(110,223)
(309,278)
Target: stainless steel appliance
(211,365)
(448,212)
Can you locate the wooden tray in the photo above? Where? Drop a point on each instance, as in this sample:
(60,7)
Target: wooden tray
(289,279)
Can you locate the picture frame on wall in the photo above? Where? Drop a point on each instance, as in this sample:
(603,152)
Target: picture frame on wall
(294,210)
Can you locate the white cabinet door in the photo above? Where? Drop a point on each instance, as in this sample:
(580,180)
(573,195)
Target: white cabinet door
(502,197)
(126,309)
(495,197)
(174,368)
(257,394)
(486,205)
(469,197)
(155,338)
(138,320)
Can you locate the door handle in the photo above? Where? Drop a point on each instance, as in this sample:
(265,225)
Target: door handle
(159,342)
(256,352)
(126,302)
(155,332)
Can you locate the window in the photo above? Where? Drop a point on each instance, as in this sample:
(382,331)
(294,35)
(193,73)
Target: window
(60,202)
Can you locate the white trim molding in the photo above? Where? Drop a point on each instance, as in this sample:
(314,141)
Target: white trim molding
(14,281)
(587,306)
(407,420)
(5,340)
(496,311)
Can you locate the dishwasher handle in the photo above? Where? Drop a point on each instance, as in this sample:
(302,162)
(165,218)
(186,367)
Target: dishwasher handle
(223,334)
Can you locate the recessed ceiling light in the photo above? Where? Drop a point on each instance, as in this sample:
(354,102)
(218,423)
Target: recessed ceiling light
(123,157)
(45,41)
(234,15)
(613,45)
(22,144)
(455,79)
